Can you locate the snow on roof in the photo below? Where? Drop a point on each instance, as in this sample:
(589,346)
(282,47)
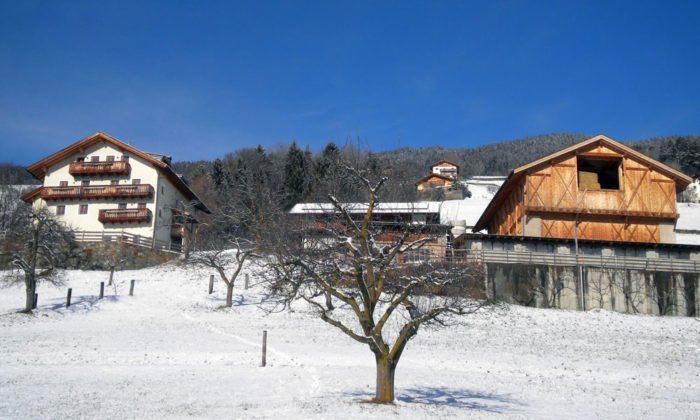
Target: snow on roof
(689,216)
(461,212)
(415,207)
(687,238)
(489,177)
(467,212)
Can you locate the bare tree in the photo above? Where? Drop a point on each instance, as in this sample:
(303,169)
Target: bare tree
(389,300)
(37,247)
(225,253)
(12,211)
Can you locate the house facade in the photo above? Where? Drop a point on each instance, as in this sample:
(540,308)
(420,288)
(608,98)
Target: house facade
(445,168)
(439,182)
(598,189)
(434,182)
(103,188)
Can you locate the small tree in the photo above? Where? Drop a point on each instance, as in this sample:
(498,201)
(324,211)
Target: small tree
(38,247)
(359,268)
(225,253)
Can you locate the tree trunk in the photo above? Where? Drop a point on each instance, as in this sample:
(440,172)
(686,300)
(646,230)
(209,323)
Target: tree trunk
(30,275)
(385,380)
(30,284)
(229,294)
(329,301)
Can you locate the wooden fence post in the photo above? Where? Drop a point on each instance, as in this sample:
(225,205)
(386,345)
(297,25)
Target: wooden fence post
(102,289)
(264,349)
(131,289)
(211,284)
(70,292)
(111,274)
(36,300)
(247,281)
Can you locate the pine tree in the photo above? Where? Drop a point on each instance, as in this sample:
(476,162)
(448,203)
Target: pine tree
(295,182)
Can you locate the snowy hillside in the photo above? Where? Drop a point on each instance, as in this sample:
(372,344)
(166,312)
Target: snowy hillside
(169,351)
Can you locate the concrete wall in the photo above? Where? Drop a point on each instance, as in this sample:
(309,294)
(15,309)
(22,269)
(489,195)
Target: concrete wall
(667,233)
(614,287)
(629,291)
(533,226)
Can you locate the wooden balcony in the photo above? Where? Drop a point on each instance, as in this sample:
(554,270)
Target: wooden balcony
(125,216)
(116,167)
(97,191)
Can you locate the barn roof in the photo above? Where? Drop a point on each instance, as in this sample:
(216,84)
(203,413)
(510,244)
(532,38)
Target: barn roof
(444,161)
(682,180)
(389,208)
(159,162)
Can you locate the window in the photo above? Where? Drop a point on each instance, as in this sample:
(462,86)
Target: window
(142,205)
(95,159)
(63,184)
(114,182)
(85,183)
(122,206)
(125,158)
(60,210)
(83,209)
(80,159)
(110,158)
(136,181)
(598,173)
(419,255)
(162,189)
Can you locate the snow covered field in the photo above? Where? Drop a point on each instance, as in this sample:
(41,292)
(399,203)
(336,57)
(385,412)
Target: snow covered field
(169,351)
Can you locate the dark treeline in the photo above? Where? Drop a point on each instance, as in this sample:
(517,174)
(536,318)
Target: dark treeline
(250,189)
(15,175)
(294,175)
(403,166)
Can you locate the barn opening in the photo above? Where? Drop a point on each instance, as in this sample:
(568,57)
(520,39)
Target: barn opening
(596,173)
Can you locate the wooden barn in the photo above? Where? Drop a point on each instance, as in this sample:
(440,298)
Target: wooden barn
(598,189)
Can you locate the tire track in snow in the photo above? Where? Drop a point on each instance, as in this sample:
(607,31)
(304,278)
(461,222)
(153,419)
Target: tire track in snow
(315,379)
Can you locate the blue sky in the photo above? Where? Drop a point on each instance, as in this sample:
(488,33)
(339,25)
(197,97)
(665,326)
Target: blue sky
(197,79)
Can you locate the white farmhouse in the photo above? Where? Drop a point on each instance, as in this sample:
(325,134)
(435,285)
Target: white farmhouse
(105,189)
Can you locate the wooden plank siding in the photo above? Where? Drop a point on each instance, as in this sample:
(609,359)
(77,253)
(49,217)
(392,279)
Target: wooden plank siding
(643,192)
(551,191)
(605,230)
(508,218)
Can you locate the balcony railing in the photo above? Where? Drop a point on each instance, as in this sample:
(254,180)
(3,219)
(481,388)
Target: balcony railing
(125,216)
(97,191)
(116,167)
(126,238)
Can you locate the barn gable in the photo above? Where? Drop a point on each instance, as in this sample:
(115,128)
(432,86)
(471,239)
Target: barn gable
(603,188)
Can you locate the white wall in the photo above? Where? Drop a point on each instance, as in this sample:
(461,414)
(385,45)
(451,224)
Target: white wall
(165,195)
(169,198)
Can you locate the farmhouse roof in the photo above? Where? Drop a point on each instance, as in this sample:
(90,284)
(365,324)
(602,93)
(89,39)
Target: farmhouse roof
(682,180)
(444,161)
